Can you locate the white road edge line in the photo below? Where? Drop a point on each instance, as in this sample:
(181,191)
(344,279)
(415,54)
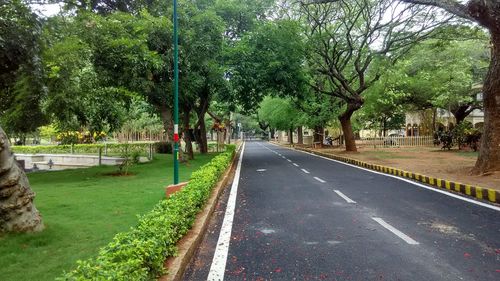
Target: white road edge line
(296,165)
(320,180)
(218,267)
(349,200)
(409,181)
(398,233)
(305,171)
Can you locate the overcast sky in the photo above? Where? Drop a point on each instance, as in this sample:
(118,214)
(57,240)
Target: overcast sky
(46,10)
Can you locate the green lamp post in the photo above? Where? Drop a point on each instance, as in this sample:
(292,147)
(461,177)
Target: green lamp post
(176,96)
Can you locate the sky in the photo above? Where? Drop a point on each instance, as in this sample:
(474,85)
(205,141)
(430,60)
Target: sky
(46,10)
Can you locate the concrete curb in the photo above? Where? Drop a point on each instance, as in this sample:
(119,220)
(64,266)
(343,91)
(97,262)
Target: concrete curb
(187,246)
(464,189)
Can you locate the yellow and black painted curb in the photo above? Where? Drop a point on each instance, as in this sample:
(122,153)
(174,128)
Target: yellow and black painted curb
(466,189)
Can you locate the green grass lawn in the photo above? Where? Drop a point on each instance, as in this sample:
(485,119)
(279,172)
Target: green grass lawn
(82,210)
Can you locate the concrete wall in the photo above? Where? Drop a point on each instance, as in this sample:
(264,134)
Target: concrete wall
(65,161)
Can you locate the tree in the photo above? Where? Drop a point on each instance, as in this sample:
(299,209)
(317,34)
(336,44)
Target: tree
(487,14)
(268,60)
(202,74)
(349,39)
(21,74)
(130,55)
(280,114)
(17,211)
(454,70)
(76,96)
(384,107)
(318,111)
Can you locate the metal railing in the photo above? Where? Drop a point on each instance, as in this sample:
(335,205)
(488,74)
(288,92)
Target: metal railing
(397,141)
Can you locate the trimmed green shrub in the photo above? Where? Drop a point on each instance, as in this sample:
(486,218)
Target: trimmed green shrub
(111,148)
(139,254)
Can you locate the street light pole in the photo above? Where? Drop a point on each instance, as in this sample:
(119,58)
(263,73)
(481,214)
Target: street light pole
(176,96)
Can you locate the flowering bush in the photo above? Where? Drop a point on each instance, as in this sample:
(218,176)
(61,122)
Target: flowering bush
(74,137)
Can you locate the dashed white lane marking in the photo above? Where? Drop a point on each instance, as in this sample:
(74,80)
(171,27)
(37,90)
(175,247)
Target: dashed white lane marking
(218,267)
(398,233)
(320,180)
(261,170)
(349,200)
(289,160)
(409,181)
(305,171)
(296,165)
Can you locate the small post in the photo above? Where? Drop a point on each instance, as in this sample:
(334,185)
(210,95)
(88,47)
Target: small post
(100,156)
(72,148)
(150,151)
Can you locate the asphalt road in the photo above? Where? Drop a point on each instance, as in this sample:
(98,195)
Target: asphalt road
(302,217)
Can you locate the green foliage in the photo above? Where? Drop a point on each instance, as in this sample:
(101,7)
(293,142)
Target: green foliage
(465,134)
(112,148)
(445,138)
(48,132)
(268,60)
(140,253)
(163,147)
(279,113)
(21,76)
(130,155)
(384,106)
(141,117)
(442,73)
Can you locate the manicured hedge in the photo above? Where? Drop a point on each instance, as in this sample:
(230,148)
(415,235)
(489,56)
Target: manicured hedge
(139,254)
(112,148)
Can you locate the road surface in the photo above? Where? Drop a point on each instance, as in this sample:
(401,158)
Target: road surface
(290,215)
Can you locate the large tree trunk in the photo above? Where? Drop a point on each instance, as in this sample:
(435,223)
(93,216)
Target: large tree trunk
(17,211)
(319,132)
(166,118)
(290,136)
(203,134)
(300,136)
(345,122)
(489,153)
(460,113)
(187,136)
(228,131)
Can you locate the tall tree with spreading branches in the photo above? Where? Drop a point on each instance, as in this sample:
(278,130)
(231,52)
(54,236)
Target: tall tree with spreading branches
(348,38)
(487,14)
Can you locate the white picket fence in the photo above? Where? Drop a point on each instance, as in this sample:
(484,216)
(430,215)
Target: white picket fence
(396,141)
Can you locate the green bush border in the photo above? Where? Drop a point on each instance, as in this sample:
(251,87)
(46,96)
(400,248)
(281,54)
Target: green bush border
(111,148)
(139,254)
